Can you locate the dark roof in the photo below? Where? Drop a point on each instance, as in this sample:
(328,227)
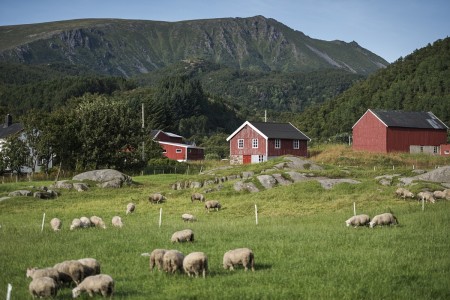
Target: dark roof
(6,131)
(280,131)
(409,119)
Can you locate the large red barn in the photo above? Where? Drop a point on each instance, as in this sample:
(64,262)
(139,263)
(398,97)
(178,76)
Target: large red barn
(255,142)
(397,131)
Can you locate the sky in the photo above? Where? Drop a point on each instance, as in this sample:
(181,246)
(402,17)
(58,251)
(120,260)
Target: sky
(388,28)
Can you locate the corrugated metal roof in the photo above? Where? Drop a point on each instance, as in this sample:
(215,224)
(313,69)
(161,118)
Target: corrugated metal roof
(409,119)
(280,131)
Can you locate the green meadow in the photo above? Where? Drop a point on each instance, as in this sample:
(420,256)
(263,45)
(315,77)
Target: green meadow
(303,250)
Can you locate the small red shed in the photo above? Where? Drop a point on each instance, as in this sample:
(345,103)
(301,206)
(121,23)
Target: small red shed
(174,148)
(397,131)
(255,142)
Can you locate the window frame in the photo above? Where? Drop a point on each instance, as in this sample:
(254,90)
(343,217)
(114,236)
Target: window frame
(296,144)
(255,143)
(240,143)
(277,143)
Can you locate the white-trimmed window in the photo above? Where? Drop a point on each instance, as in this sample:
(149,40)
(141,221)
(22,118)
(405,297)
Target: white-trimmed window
(296,144)
(178,150)
(254,143)
(261,158)
(240,143)
(277,143)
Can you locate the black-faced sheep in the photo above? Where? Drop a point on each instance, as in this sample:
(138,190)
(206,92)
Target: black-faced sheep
(156,198)
(56,224)
(383,219)
(131,207)
(186,235)
(98,222)
(90,266)
(240,256)
(358,220)
(85,222)
(195,263)
(117,221)
(212,204)
(173,261)
(43,287)
(71,268)
(188,218)
(197,196)
(98,284)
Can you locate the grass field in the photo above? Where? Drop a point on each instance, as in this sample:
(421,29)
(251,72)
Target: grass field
(303,250)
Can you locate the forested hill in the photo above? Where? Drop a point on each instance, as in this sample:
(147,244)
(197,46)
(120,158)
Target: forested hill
(129,47)
(417,82)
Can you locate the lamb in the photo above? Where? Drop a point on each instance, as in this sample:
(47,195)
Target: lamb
(156,198)
(173,261)
(156,259)
(188,217)
(85,222)
(240,256)
(359,220)
(383,219)
(76,223)
(195,263)
(46,272)
(72,269)
(97,284)
(131,207)
(117,221)
(427,196)
(212,204)
(56,224)
(186,235)
(197,196)
(43,287)
(90,266)
(97,222)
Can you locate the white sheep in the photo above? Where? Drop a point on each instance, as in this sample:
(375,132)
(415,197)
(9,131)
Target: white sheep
(156,198)
(72,269)
(85,222)
(97,222)
(240,256)
(358,220)
(56,224)
(404,193)
(90,266)
(188,218)
(173,261)
(43,287)
(445,194)
(186,235)
(383,219)
(45,272)
(97,284)
(76,223)
(427,196)
(131,207)
(212,204)
(156,259)
(117,221)
(197,196)
(195,263)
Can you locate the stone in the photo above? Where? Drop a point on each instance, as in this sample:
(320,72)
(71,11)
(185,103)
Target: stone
(267,181)
(105,178)
(20,193)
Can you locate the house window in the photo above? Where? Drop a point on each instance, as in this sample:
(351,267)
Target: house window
(164,151)
(296,144)
(277,143)
(261,158)
(421,149)
(435,150)
(254,143)
(178,150)
(240,143)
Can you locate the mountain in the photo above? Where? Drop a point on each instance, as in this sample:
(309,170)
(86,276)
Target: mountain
(417,82)
(130,47)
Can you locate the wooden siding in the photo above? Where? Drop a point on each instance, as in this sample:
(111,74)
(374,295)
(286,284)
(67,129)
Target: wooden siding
(163,137)
(247,134)
(399,139)
(369,134)
(287,148)
(171,152)
(445,150)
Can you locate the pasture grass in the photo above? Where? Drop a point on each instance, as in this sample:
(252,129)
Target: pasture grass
(302,248)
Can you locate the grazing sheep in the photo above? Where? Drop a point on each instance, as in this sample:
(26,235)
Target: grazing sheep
(71,268)
(445,194)
(117,221)
(56,224)
(404,193)
(188,217)
(427,196)
(186,235)
(46,272)
(98,222)
(173,261)
(97,284)
(43,287)
(197,196)
(90,266)
(212,204)
(156,198)
(85,222)
(359,220)
(76,223)
(195,263)
(131,207)
(240,256)
(383,219)
(156,259)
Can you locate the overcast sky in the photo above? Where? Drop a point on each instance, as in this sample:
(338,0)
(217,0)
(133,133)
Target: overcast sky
(389,28)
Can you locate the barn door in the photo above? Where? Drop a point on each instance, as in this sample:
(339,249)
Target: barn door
(247,159)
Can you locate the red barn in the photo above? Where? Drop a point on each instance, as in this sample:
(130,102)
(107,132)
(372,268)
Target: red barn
(257,142)
(174,148)
(398,131)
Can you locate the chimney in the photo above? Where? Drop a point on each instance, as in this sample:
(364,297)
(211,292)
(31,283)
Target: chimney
(8,121)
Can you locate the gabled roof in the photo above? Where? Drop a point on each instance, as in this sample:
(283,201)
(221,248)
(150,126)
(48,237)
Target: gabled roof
(407,119)
(180,145)
(155,132)
(274,131)
(6,131)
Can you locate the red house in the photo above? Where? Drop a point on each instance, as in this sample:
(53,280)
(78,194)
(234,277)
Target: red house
(174,148)
(398,131)
(255,142)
